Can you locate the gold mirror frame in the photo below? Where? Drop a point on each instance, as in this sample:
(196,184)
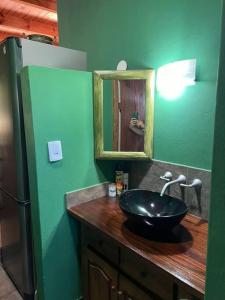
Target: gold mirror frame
(99,76)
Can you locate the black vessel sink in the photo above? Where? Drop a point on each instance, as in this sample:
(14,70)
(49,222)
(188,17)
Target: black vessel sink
(149,208)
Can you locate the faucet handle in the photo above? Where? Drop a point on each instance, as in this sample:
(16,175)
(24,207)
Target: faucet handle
(196,183)
(167,176)
(181,179)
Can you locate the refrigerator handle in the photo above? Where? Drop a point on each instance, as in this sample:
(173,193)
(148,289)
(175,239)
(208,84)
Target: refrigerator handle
(14,198)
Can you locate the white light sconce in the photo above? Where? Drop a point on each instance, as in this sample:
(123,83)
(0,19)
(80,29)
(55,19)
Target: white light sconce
(173,78)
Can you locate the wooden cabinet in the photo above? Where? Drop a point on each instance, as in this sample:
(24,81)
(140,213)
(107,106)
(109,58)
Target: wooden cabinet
(103,282)
(98,277)
(111,272)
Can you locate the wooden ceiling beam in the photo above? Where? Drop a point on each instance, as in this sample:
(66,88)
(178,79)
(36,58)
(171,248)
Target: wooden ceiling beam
(14,24)
(25,17)
(49,4)
(25,31)
(3,35)
(26,8)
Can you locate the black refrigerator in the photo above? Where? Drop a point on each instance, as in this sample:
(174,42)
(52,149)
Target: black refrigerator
(15,207)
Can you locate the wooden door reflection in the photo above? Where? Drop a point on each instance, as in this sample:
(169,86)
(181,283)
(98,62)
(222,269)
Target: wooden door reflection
(128,101)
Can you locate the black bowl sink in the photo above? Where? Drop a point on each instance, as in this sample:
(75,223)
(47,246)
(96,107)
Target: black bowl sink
(149,208)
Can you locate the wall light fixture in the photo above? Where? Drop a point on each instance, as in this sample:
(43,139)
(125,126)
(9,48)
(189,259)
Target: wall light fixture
(173,78)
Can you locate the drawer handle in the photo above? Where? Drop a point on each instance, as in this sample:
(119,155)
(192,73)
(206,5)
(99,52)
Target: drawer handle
(121,295)
(113,292)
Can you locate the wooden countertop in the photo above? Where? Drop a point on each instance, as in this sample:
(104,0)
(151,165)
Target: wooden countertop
(182,254)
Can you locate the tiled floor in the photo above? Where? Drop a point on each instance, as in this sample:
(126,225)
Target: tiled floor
(7,289)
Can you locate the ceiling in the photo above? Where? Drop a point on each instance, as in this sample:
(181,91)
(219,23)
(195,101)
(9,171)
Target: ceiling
(24,17)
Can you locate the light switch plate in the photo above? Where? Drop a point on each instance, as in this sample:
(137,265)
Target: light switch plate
(55,151)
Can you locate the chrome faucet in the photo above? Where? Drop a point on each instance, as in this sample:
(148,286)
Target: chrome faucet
(180,179)
(168,176)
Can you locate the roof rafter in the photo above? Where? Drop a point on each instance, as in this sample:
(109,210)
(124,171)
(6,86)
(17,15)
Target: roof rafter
(25,8)
(43,3)
(25,17)
(16,25)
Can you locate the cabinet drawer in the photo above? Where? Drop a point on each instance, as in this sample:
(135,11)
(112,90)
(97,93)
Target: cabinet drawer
(147,275)
(185,293)
(131,291)
(100,243)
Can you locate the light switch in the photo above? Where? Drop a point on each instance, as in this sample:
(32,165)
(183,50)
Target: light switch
(55,151)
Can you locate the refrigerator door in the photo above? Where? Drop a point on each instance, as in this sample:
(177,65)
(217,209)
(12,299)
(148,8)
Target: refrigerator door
(16,250)
(14,188)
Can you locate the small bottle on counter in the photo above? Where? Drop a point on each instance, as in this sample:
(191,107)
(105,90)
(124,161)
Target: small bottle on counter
(112,190)
(119,188)
(125,181)
(119,180)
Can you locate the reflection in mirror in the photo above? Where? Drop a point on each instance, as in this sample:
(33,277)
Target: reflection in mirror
(108,115)
(124,115)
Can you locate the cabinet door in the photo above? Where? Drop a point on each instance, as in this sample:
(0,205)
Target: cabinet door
(130,291)
(99,279)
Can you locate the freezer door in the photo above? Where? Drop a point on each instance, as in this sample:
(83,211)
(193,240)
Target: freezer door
(13,163)
(17,243)
(40,54)
(8,174)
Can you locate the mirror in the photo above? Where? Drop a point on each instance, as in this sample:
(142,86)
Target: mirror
(123,114)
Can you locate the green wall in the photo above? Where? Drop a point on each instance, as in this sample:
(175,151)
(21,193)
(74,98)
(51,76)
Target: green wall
(151,33)
(58,106)
(215,287)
